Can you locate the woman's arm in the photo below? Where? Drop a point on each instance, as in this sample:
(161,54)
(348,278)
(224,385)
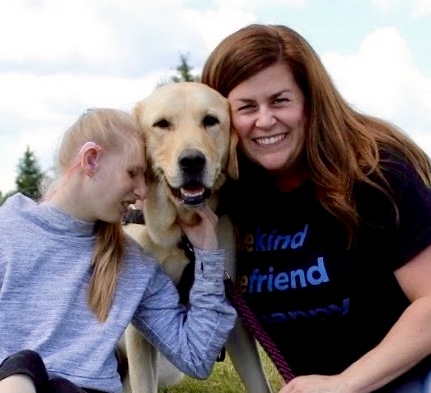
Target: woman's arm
(406,344)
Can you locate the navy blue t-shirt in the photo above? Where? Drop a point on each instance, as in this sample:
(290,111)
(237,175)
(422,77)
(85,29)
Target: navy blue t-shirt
(325,304)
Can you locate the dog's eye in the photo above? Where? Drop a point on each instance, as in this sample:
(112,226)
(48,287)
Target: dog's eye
(163,123)
(210,121)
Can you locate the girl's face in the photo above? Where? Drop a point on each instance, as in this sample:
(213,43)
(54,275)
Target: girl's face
(268,115)
(119,182)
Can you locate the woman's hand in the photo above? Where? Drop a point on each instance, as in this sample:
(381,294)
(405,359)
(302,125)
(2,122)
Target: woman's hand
(316,384)
(203,235)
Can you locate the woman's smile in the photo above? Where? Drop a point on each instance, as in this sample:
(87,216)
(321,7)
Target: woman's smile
(267,141)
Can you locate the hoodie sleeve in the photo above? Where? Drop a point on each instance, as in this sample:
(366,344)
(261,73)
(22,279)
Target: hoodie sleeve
(191,338)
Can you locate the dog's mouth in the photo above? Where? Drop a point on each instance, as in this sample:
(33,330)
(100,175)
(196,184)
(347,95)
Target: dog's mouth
(191,194)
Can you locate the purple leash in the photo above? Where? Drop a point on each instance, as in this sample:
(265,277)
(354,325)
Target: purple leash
(254,327)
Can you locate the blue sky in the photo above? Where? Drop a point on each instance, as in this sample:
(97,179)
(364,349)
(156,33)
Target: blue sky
(58,58)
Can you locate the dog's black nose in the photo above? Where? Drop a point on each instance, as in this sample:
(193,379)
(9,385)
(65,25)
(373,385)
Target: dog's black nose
(191,161)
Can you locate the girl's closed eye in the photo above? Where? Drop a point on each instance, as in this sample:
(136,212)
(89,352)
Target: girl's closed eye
(138,171)
(132,173)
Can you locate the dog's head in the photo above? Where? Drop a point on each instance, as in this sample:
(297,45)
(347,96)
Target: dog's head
(189,143)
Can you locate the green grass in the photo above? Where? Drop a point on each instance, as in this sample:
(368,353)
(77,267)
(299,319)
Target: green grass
(224,379)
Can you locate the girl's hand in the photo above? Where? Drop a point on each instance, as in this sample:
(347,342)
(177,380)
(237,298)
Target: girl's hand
(203,235)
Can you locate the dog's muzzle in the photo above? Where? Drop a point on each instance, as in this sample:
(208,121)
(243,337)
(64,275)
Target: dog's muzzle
(192,192)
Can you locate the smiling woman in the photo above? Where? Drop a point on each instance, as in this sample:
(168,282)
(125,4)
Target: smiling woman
(355,190)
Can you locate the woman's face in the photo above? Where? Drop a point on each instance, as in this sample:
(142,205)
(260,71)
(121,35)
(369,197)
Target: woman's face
(268,115)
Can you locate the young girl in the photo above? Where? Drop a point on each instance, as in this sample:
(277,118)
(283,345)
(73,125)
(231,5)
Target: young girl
(71,280)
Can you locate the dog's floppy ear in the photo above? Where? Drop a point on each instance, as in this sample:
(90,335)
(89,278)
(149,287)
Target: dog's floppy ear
(232,164)
(136,110)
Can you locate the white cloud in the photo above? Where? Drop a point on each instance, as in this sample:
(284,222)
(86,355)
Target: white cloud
(253,4)
(51,30)
(421,8)
(418,8)
(99,36)
(387,5)
(381,80)
(214,25)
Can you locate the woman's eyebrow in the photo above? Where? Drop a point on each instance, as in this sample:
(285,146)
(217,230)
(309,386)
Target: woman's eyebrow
(279,93)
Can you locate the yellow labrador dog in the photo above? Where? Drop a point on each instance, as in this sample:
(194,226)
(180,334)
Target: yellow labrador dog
(191,152)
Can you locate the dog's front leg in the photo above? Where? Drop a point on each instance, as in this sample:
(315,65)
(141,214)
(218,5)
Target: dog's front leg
(242,350)
(161,217)
(241,346)
(142,359)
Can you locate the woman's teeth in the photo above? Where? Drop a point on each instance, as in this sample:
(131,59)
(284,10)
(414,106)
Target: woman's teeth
(270,141)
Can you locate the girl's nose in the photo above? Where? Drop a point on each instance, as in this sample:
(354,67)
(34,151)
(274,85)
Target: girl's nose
(265,117)
(141,189)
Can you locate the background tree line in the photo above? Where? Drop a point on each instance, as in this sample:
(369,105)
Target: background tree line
(29,170)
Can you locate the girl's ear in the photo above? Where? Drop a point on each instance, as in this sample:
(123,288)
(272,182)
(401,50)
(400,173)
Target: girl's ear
(89,157)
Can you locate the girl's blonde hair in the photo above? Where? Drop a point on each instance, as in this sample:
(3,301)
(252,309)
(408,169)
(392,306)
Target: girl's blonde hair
(113,130)
(342,145)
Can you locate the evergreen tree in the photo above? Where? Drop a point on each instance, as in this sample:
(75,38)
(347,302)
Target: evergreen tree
(184,73)
(29,175)
(184,70)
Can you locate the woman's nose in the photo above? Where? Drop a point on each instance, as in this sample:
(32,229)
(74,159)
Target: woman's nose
(265,117)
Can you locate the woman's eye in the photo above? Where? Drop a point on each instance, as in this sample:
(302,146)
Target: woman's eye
(131,173)
(245,107)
